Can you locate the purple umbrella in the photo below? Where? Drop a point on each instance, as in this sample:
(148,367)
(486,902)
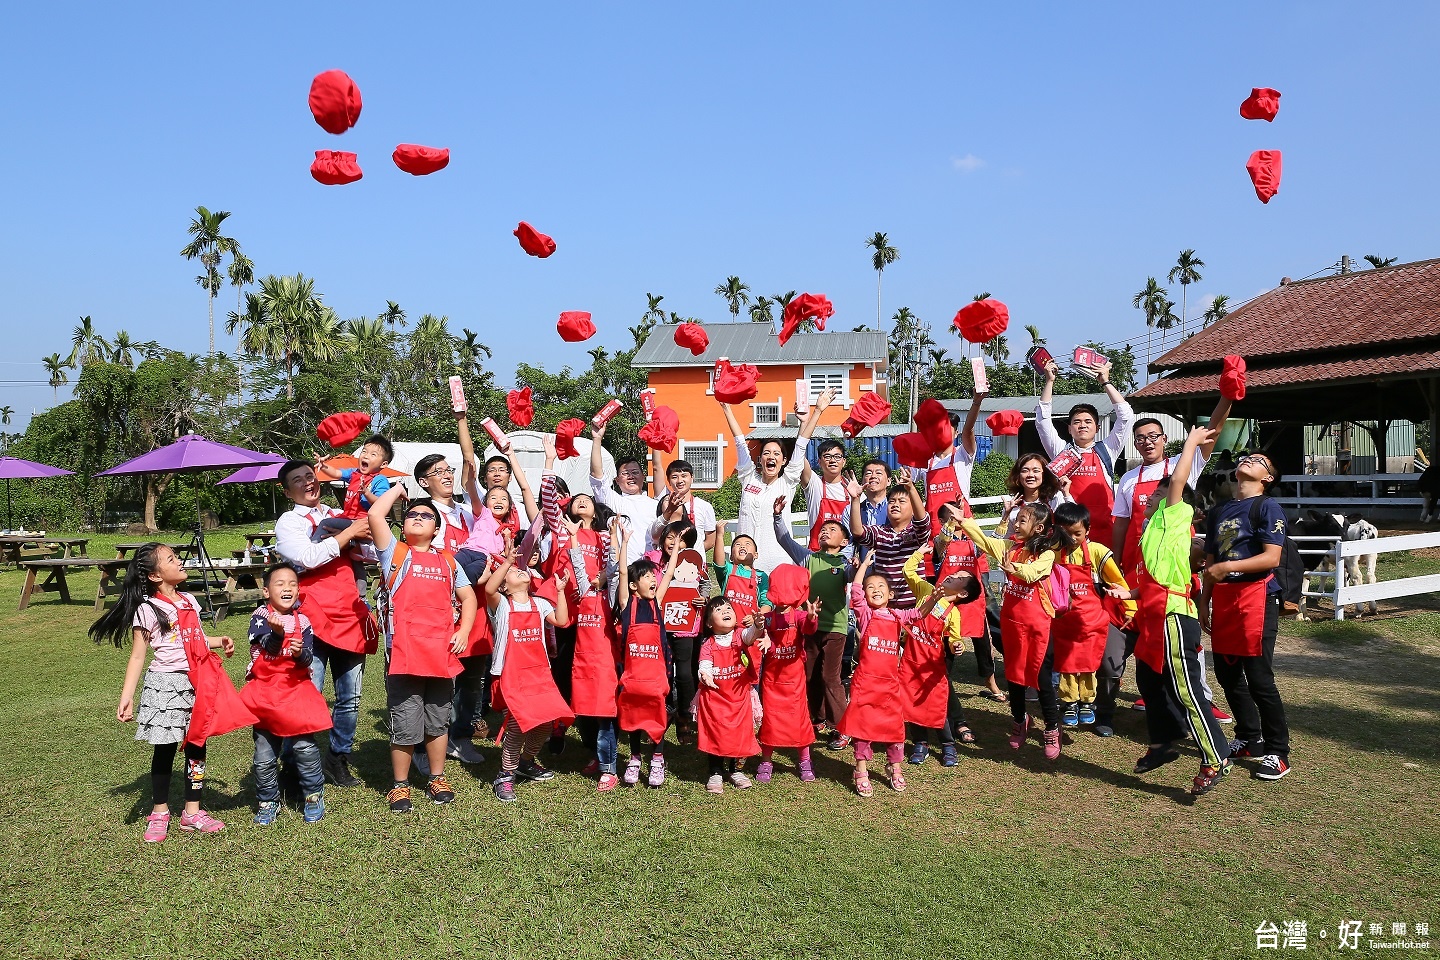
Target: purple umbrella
(255,474)
(13,468)
(190,454)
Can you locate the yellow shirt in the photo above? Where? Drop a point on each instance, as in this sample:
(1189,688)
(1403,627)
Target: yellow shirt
(1102,561)
(1032,571)
(945,608)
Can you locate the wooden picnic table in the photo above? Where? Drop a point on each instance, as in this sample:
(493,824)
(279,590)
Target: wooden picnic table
(260,538)
(123,550)
(15,547)
(230,584)
(55,570)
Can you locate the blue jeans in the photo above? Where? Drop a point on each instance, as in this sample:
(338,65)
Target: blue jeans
(347,670)
(599,734)
(303,754)
(471,695)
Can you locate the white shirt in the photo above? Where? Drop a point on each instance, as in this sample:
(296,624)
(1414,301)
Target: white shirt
(292,537)
(635,510)
(964,463)
(500,623)
(1114,442)
(456,515)
(700,512)
(1125,489)
(757,501)
(818,489)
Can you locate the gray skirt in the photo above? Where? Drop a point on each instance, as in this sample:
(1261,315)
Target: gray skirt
(164,711)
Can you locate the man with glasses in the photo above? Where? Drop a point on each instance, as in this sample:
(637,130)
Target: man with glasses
(344,629)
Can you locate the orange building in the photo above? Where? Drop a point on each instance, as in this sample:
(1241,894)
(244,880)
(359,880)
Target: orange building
(809,363)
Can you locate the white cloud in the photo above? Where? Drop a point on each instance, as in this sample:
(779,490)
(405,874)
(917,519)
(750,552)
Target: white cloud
(968,163)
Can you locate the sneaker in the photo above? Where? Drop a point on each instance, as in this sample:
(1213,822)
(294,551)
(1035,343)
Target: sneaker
(464,751)
(439,789)
(1221,715)
(1272,767)
(267,813)
(399,798)
(1244,748)
(740,780)
(337,770)
(716,784)
(157,827)
(314,807)
(919,753)
(505,789)
(897,779)
(1052,744)
(421,760)
(1206,779)
(1071,716)
(1087,714)
(480,730)
(590,769)
(657,771)
(764,772)
(949,755)
(632,772)
(200,822)
(1139,704)
(531,770)
(608,782)
(839,743)
(1018,732)
(1156,758)
(1104,730)
(807,772)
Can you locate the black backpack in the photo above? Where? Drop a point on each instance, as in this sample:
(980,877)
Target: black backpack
(1291,572)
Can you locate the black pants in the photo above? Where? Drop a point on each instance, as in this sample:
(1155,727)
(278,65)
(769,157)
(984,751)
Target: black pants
(992,631)
(825,691)
(1119,646)
(720,766)
(1175,700)
(687,676)
(564,662)
(640,743)
(161,763)
(1049,707)
(1249,685)
(954,712)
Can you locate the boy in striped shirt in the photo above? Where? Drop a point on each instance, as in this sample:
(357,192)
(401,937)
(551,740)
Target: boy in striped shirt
(906,529)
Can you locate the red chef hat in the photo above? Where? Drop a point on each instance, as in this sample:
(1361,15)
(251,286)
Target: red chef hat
(534,242)
(339,429)
(1264,168)
(807,306)
(735,384)
(1262,104)
(692,337)
(575,326)
(982,320)
(789,585)
(334,167)
(565,433)
(522,410)
(1005,423)
(662,430)
(868,411)
(418,160)
(544,588)
(335,101)
(1232,378)
(934,422)
(913,450)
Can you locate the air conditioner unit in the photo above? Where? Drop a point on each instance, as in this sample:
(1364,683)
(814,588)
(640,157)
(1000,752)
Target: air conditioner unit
(792,420)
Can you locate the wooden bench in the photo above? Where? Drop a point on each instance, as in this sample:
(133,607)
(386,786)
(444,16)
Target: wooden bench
(112,572)
(123,550)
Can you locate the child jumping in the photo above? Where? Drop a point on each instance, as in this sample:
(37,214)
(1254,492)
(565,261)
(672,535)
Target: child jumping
(725,717)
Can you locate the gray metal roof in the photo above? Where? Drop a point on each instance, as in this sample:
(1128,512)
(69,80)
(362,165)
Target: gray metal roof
(824,433)
(755,343)
(1060,406)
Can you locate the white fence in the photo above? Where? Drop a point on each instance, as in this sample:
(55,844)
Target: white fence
(1342,594)
(1309,491)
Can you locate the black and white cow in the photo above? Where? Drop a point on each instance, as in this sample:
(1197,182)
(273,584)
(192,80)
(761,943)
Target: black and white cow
(1348,529)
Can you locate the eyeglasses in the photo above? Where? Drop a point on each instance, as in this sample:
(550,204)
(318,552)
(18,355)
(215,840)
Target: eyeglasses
(422,515)
(1149,437)
(1259,458)
(446,472)
(832,455)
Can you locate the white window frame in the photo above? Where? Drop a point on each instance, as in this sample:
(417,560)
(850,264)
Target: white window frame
(718,446)
(829,371)
(779,407)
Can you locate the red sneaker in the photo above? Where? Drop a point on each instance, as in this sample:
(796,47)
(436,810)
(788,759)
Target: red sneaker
(1139,704)
(1221,715)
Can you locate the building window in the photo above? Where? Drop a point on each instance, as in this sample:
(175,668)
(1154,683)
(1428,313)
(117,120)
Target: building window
(826,378)
(705,459)
(765,415)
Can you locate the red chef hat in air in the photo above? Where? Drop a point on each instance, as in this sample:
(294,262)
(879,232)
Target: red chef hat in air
(1262,104)
(1232,378)
(982,320)
(789,585)
(522,410)
(692,337)
(662,431)
(913,450)
(575,326)
(335,101)
(735,384)
(1264,168)
(934,422)
(807,306)
(565,433)
(534,242)
(1005,423)
(418,160)
(339,429)
(334,167)
(868,411)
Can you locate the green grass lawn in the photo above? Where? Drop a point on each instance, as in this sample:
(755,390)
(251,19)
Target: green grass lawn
(1001,856)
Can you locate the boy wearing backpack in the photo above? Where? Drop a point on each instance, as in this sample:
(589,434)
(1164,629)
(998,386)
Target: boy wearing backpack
(424,583)
(1244,544)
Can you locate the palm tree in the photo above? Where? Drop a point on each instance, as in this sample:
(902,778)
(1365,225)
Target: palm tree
(294,326)
(598,356)
(56,368)
(86,344)
(242,274)
(735,293)
(392,316)
(653,313)
(1149,300)
(432,348)
(370,346)
(1165,320)
(1035,341)
(883,257)
(997,349)
(468,351)
(122,351)
(1185,272)
(209,246)
(981,296)
(763,311)
(1380,262)
(1218,310)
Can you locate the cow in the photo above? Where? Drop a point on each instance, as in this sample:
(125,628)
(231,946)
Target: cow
(1347,529)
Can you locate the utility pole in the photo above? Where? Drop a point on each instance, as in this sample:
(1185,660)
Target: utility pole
(1345,264)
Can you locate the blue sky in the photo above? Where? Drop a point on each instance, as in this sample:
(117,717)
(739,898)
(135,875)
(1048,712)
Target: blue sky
(1053,155)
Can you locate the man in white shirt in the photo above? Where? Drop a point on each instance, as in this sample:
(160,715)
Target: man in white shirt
(1092,484)
(680,501)
(827,496)
(631,503)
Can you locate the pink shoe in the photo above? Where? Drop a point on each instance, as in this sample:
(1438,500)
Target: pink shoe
(608,782)
(764,772)
(657,771)
(1018,732)
(1052,744)
(157,827)
(807,772)
(200,822)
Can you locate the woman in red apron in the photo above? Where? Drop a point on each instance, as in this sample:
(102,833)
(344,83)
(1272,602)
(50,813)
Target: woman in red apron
(725,717)
(784,702)
(1081,633)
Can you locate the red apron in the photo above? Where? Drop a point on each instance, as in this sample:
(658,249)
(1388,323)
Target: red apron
(961,556)
(1080,634)
(282,696)
(644,684)
(1139,507)
(877,712)
(829,510)
(337,612)
(1150,619)
(742,593)
(1091,487)
(218,708)
(423,611)
(724,718)
(352,508)
(1024,630)
(526,686)
(1237,618)
(784,707)
(923,677)
(593,678)
(942,487)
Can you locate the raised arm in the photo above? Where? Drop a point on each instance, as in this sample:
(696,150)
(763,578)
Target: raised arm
(622,573)
(378,514)
(665,578)
(743,463)
(1218,416)
(469,475)
(496,580)
(967,432)
(918,584)
(531,510)
(797,552)
(324,471)
(1049,439)
(993,546)
(597,458)
(1181,475)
